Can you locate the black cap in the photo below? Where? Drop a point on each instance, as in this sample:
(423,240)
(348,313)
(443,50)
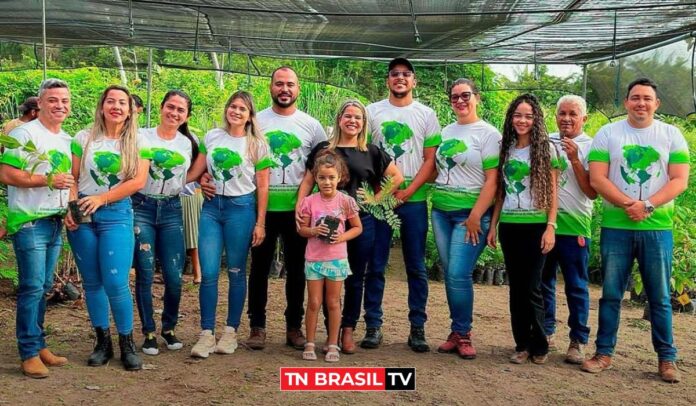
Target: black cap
(401,61)
(31,103)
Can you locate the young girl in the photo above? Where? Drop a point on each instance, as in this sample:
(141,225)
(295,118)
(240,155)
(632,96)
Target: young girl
(526,207)
(323,217)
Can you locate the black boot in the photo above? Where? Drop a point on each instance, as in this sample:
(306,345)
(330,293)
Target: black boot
(130,359)
(103,348)
(416,340)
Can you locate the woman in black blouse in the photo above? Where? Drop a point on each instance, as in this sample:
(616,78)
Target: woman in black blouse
(366,163)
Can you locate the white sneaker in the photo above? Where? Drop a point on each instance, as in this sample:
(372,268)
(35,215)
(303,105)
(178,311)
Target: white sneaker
(205,345)
(228,341)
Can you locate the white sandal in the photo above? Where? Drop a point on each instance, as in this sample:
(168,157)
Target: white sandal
(333,355)
(308,354)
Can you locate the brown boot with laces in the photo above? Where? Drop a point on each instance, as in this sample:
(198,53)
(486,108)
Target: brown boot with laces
(669,372)
(597,364)
(257,338)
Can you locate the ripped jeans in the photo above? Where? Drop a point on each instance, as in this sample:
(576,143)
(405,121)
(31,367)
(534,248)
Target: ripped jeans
(226,222)
(159,233)
(103,252)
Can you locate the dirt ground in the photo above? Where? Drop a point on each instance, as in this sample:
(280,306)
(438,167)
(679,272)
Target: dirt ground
(252,377)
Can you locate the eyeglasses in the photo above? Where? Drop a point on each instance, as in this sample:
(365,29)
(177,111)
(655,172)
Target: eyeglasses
(465,96)
(397,73)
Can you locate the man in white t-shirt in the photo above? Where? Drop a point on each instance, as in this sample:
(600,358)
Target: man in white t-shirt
(37,199)
(291,135)
(572,249)
(410,133)
(638,166)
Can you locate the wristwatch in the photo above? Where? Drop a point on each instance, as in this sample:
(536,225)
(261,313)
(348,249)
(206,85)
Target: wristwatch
(649,208)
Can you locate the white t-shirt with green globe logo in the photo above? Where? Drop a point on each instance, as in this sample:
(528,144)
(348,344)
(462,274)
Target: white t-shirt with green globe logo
(291,139)
(29,204)
(233,170)
(101,164)
(574,207)
(518,205)
(466,152)
(638,161)
(403,132)
(169,161)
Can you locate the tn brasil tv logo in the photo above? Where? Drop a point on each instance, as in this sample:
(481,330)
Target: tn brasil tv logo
(347,379)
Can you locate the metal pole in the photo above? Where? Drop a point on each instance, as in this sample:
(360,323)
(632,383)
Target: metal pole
(43,27)
(584,81)
(149,85)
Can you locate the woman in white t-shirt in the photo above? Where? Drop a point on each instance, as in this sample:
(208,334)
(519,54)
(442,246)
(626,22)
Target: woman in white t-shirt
(159,223)
(526,207)
(238,158)
(108,169)
(467,163)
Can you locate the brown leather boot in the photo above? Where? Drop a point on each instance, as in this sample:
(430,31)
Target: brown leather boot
(51,360)
(295,338)
(34,368)
(596,364)
(257,338)
(347,342)
(669,372)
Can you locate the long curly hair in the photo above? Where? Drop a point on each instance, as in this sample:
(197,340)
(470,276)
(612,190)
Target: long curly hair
(540,152)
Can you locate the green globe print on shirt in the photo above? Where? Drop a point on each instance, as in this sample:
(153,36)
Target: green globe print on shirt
(60,163)
(163,163)
(395,136)
(515,171)
(449,154)
(285,148)
(226,164)
(107,165)
(638,160)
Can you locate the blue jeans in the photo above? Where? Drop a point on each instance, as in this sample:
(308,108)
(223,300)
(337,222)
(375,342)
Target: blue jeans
(37,246)
(653,251)
(226,222)
(573,260)
(359,254)
(103,252)
(458,260)
(159,233)
(414,229)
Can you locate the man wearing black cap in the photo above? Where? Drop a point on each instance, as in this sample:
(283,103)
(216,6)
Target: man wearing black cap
(29,110)
(408,131)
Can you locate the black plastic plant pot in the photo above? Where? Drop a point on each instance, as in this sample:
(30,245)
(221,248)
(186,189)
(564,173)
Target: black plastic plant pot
(332,223)
(77,214)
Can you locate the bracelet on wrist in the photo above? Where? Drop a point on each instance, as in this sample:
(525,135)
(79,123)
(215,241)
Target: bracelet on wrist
(260,225)
(552,224)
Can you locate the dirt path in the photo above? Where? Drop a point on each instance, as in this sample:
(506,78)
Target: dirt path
(251,377)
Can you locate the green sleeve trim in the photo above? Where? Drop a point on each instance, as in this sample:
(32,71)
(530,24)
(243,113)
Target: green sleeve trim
(598,155)
(146,153)
(490,162)
(12,160)
(76,148)
(264,163)
(432,141)
(555,163)
(202,149)
(679,157)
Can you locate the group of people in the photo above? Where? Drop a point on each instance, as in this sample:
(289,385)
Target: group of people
(529,190)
